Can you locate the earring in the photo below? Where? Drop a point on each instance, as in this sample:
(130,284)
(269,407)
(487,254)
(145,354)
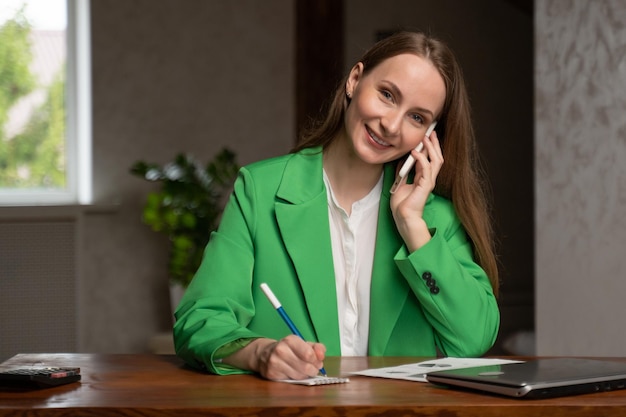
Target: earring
(349,94)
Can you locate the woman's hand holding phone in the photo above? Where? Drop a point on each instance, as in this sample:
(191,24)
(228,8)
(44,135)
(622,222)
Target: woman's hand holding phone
(408,200)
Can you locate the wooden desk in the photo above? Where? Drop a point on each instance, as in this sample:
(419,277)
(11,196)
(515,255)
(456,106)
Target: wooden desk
(160,385)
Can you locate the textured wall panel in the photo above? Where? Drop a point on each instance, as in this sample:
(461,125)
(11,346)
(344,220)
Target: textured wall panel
(581,177)
(37,287)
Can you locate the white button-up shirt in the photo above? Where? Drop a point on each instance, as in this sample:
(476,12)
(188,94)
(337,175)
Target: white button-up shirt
(353,239)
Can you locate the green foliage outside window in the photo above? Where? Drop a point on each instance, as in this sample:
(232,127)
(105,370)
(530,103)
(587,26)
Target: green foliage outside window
(34,157)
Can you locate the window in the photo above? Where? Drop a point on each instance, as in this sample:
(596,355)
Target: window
(45,105)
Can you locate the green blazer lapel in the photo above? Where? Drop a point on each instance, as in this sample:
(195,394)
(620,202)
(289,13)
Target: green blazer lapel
(302,216)
(389,291)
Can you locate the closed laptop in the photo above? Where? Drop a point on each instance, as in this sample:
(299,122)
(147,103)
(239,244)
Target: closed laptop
(540,378)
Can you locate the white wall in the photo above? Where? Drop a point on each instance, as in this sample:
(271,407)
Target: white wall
(580,171)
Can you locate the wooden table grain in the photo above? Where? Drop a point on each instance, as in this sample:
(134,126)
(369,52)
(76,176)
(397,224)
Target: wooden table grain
(161,385)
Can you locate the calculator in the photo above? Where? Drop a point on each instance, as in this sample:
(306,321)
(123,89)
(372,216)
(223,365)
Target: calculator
(39,377)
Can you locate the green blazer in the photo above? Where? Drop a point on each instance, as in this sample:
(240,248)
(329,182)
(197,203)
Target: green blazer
(275,229)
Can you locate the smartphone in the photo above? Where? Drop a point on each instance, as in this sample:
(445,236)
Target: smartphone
(410,161)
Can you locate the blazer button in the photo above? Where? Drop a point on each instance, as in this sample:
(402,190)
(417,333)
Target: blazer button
(434,290)
(426,276)
(431,283)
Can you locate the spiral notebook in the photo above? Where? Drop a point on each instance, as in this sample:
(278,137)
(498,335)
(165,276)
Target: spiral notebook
(318,380)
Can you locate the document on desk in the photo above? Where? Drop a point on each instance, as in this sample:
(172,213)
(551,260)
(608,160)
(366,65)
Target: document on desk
(318,380)
(417,371)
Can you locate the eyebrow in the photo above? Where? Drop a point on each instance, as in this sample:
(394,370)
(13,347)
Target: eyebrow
(396,91)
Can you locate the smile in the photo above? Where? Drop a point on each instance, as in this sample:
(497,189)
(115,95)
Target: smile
(376,139)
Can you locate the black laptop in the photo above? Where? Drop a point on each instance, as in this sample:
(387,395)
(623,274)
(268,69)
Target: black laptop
(540,378)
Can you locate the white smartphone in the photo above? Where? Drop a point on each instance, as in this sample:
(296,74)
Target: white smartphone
(410,161)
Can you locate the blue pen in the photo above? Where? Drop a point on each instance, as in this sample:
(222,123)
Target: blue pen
(279,308)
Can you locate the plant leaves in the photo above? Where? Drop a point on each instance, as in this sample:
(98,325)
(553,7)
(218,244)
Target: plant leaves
(188,205)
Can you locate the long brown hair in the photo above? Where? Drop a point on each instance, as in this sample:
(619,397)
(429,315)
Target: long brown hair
(461,177)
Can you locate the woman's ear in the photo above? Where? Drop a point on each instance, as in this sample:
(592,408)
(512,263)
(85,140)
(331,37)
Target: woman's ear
(353,78)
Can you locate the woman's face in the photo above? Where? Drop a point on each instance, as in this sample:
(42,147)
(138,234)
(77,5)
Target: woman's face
(392,106)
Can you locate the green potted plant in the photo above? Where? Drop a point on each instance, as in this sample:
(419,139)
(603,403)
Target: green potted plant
(187,206)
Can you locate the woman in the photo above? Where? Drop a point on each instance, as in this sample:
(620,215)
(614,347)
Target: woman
(360,270)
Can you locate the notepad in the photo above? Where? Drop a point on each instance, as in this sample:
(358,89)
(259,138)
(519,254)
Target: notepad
(318,380)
